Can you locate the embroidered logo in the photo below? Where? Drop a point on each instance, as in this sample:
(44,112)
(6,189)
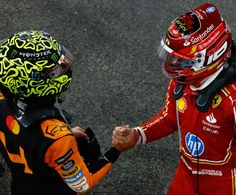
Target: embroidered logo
(63,158)
(55,129)
(12,125)
(216,101)
(194,144)
(211,119)
(68,165)
(182,104)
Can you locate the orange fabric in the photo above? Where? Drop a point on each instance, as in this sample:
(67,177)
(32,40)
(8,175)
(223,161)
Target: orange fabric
(54,128)
(64,157)
(16,158)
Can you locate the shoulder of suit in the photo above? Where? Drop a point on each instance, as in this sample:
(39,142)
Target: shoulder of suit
(54,128)
(230,90)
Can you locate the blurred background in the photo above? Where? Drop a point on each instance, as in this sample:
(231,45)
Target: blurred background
(117,76)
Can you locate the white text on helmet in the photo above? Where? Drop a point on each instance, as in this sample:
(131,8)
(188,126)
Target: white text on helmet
(203,35)
(38,54)
(217,54)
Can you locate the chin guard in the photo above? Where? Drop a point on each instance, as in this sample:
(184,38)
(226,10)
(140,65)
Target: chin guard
(227,76)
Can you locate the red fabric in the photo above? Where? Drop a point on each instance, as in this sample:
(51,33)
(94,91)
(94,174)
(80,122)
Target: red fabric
(185,183)
(165,121)
(208,144)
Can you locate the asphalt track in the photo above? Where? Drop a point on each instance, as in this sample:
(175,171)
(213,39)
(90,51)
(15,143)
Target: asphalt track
(117,76)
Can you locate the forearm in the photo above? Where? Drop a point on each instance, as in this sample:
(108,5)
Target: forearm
(156,128)
(109,157)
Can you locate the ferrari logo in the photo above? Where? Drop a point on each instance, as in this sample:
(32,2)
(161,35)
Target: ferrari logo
(216,101)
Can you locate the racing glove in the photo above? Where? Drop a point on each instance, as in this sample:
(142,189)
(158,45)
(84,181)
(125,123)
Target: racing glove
(90,151)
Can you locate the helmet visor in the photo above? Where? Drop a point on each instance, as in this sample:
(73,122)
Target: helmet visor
(173,58)
(175,63)
(64,64)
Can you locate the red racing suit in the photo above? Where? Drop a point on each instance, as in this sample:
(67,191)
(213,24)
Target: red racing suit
(207,162)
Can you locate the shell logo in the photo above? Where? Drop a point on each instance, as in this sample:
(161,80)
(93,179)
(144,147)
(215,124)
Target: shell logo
(182,105)
(167,41)
(12,125)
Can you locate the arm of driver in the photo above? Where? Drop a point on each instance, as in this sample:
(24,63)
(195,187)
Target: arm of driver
(124,138)
(65,158)
(164,123)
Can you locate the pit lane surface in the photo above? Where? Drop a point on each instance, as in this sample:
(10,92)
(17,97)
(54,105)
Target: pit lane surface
(117,76)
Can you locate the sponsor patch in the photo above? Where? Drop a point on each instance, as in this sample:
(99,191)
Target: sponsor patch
(210,172)
(202,36)
(82,188)
(72,172)
(194,144)
(211,118)
(210,9)
(68,165)
(216,101)
(78,183)
(64,157)
(182,104)
(186,43)
(75,178)
(12,124)
(210,125)
(55,129)
(213,131)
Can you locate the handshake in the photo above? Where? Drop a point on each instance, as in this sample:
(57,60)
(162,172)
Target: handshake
(124,138)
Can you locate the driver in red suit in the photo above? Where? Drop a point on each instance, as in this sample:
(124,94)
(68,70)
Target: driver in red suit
(200,104)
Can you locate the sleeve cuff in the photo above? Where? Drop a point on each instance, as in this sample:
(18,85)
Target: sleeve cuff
(142,137)
(112,154)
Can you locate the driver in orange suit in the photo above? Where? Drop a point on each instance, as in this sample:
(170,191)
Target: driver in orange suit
(45,155)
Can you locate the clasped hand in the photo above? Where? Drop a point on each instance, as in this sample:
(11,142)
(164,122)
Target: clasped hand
(124,138)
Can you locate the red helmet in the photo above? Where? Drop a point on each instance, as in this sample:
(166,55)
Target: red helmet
(196,45)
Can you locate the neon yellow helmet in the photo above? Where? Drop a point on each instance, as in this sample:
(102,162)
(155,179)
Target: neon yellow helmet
(34,64)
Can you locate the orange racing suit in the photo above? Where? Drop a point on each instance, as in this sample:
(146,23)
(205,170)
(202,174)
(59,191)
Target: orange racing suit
(207,162)
(44,158)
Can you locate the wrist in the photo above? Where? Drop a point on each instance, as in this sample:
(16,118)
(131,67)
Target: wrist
(112,154)
(141,136)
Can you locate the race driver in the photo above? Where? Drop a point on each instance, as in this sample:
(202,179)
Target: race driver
(45,155)
(200,104)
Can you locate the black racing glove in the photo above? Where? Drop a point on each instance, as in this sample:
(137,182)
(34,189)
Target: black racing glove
(90,151)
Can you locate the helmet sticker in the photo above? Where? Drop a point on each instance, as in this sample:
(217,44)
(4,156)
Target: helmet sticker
(210,9)
(184,25)
(24,59)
